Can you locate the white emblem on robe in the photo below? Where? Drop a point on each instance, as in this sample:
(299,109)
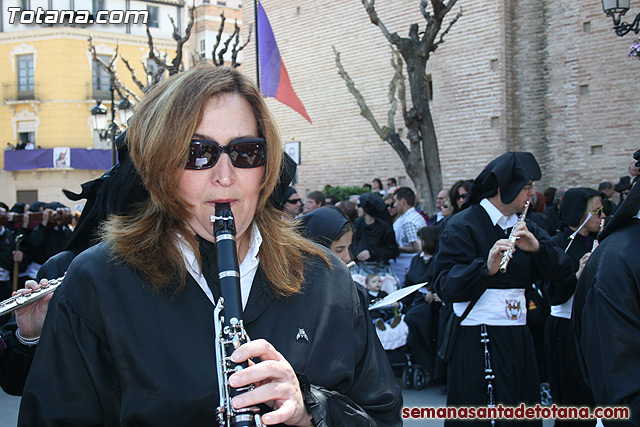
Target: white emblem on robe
(512,309)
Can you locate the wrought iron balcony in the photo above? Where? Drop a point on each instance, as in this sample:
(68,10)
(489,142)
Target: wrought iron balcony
(13,92)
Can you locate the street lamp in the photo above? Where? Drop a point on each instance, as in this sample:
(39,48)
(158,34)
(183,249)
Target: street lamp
(616,9)
(109,130)
(125,110)
(99,114)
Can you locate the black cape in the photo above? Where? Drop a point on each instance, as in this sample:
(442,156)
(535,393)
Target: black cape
(606,311)
(568,384)
(113,352)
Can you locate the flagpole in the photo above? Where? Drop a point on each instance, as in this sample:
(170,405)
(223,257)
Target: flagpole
(255,20)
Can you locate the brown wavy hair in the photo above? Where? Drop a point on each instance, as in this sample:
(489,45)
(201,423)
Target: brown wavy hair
(159,135)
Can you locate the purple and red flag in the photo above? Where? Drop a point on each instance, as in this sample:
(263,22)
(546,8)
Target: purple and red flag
(274,79)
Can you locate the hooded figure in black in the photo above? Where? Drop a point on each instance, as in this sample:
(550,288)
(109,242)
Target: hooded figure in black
(323,226)
(580,215)
(374,240)
(493,334)
(606,310)
(52,235)
(329,227)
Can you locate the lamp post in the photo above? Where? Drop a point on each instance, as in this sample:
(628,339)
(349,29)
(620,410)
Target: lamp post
(99,122)
(109,130)
(125,110)
(106,129)
(616,9)
(113,126)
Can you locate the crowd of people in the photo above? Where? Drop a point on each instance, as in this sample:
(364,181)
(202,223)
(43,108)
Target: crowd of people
(524,313)
(513,296)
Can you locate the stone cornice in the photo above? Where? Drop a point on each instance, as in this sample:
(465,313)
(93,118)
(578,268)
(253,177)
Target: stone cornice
(50,33)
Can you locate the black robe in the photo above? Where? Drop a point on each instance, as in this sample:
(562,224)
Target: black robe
(461,275)
(423,319)
(15,360)
(7,246)
(45,242)
(568,385)
(606,318)
(378,238)
(113,352)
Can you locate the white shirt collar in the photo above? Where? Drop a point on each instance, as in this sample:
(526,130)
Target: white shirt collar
(248,267)
(496,216)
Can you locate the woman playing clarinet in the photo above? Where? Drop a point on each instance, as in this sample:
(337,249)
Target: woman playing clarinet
(129,338)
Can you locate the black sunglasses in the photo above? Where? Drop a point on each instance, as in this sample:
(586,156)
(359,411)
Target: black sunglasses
(244,153)
(293,201)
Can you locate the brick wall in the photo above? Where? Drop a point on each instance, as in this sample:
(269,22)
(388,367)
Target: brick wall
(520,75)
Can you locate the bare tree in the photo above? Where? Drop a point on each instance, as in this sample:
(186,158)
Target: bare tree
(152,76)
(176,64)
(235,49)
(110,68)
(420,156)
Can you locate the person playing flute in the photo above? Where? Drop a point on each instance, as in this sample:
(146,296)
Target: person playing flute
(493,360)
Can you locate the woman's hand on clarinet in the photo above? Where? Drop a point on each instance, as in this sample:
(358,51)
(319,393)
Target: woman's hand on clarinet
(276,384)
(31,317)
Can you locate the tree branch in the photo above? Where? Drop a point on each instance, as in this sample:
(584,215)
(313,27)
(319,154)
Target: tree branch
(180,41)
(383,132)
(235,50)
(218,38)
(425,13)
(446,31)
(110,68)
(369,6)
(137,82)
(152,50)
(225,48)
(394,86)
(402,89)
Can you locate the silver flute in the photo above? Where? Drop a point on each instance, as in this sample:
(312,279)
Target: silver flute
(21,300)
(595,241)
(509,253)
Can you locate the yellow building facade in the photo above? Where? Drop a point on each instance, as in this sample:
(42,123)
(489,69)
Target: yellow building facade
(50,83)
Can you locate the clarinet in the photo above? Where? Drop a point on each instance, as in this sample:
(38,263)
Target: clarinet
(228,323)
(509,253)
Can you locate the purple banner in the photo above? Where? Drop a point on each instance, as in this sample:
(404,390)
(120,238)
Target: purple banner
(91,159)
(80,158)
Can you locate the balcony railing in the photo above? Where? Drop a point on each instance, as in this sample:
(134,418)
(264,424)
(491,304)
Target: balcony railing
(96,94)
(14,92)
